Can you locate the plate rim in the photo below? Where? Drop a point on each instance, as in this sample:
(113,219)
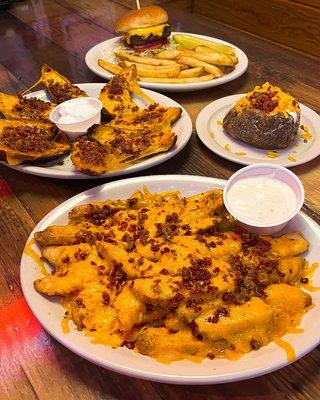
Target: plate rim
(201,133)
(180,87)
(46,172)
(134,372)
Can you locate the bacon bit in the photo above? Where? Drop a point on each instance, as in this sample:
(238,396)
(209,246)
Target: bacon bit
(61,93)
(106,298)
(28,138)
(220,312)
(128,345)
(79,302)
(32,108)
(228,298)
(263,101)
(255,344)
(81,255)
(90,152)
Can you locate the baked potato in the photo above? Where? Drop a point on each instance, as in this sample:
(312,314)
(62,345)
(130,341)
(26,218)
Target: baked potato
(266,118)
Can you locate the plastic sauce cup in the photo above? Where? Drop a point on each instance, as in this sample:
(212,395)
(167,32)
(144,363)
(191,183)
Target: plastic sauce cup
(276,172)
(75,129)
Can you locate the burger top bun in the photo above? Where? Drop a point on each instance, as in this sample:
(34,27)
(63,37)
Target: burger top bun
(143,18)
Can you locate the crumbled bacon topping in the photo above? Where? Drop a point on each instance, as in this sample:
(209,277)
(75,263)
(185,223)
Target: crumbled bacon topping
(264,101)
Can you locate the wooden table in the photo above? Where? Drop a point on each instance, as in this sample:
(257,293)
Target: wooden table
(59,32)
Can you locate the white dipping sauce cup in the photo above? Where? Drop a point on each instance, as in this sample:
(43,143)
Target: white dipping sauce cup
(75,129)
(271,171)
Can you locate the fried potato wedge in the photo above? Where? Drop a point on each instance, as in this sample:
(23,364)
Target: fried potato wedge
(18,107)
(155,114)
(31,141)
(59,87)
(116,95)
(125,147)
(88,157)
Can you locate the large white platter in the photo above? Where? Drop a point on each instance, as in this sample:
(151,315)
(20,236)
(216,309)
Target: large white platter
(213,136)
(52,169)
(104,50)
(124,361)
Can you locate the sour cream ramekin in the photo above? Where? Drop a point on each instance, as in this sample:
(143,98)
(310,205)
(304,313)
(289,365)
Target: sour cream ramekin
(75,129)
(276,172)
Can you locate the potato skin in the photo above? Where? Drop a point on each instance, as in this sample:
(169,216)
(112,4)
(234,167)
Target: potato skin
(263,131)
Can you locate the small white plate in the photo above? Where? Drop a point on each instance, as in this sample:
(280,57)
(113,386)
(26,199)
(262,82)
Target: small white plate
(52,169)
(211,133)
(104,50)
(267,359)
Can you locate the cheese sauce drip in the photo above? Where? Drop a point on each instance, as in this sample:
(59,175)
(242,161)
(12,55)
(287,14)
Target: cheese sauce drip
(33,254)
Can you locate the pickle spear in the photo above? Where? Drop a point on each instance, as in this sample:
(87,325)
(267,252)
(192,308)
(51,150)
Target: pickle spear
(191,42)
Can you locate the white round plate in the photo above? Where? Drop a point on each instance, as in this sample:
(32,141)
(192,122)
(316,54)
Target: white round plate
(104,50)
(211,133)
(124,361)
(52,169)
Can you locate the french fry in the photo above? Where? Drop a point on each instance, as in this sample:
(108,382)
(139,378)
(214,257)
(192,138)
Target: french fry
(234,59)
(110,67)
(143,60)
(206,50)
(177,80)
(193,62)
(127,63)
(191,72)
(210,58)
(183,67)
(169,71)
(168,54)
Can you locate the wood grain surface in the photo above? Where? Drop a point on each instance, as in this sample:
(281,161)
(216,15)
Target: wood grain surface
(60,32)
(292,23)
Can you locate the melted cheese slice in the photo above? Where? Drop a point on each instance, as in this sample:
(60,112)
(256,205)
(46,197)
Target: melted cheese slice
(145,32)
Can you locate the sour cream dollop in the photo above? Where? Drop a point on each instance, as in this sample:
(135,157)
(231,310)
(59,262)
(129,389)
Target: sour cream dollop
(76,110)
(261,200)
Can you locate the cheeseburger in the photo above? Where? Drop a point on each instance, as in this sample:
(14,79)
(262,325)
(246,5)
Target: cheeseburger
(144,29)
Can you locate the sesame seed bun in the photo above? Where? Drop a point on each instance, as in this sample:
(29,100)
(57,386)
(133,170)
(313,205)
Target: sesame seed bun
(143,18)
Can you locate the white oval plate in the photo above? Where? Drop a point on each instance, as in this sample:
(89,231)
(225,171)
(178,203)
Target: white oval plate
(267,359)
(213,136)
(51,169)
(104,50)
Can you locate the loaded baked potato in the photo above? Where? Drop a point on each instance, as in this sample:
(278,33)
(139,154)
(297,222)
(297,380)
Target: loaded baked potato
(266,118)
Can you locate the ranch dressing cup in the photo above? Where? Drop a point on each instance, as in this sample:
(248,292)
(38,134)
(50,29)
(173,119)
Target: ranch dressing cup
(263,197)
(76,116)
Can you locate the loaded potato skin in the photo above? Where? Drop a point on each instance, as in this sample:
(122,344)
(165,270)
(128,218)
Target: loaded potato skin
(266,118)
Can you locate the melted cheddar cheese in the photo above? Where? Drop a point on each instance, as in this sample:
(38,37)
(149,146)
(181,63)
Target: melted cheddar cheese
(285,102)
(146,32)
(174,278)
